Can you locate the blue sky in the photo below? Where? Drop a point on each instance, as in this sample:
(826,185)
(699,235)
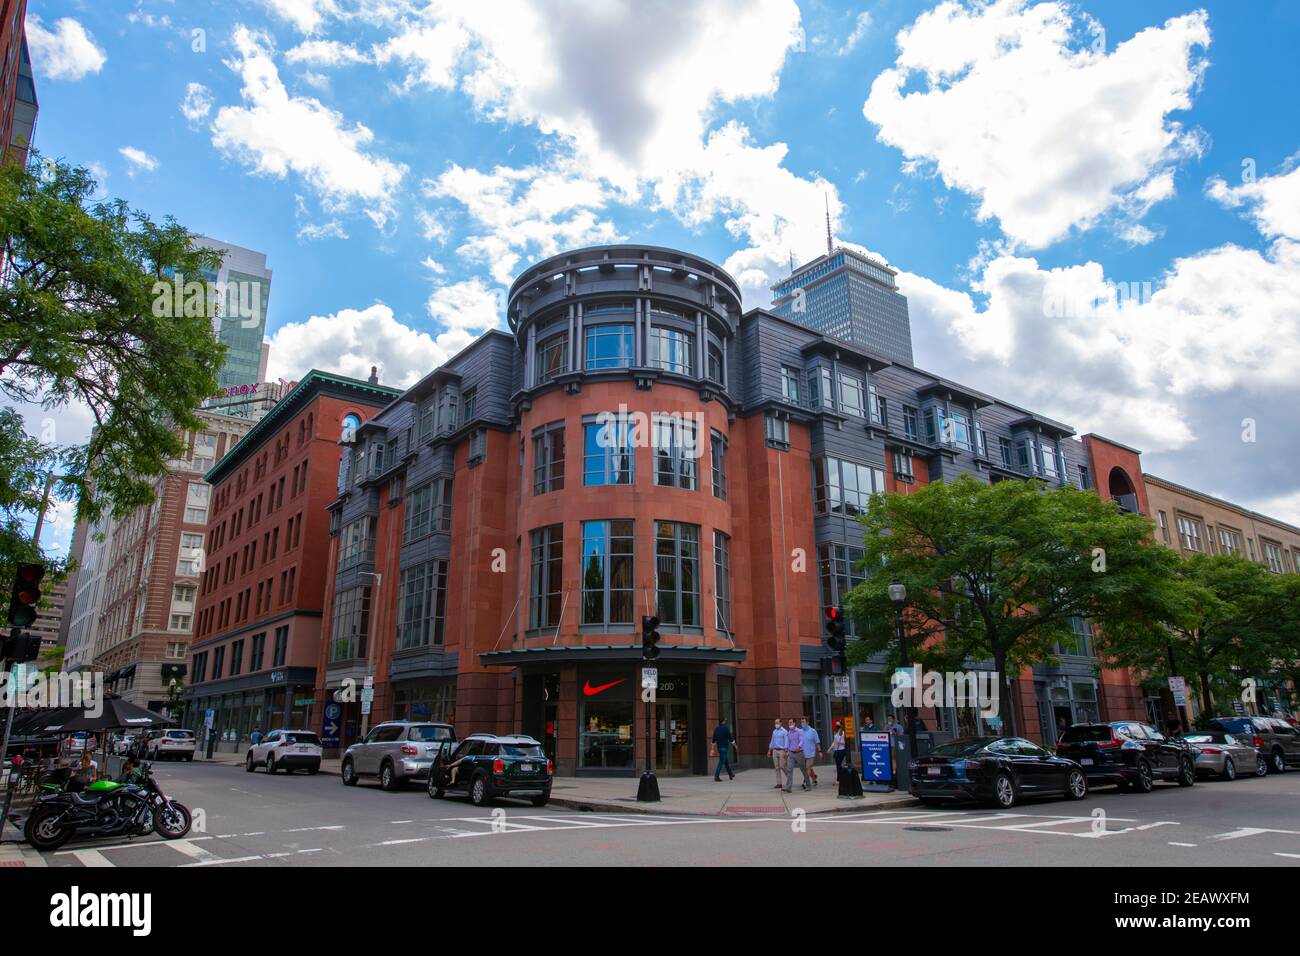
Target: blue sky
(399,160)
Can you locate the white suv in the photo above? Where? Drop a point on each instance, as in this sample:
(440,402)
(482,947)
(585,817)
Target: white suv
(285,750)
(172,744)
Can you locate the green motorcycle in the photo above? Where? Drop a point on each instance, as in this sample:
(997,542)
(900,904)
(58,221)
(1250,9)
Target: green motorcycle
(134,806)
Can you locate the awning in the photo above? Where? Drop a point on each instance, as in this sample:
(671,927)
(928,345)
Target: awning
(574,653)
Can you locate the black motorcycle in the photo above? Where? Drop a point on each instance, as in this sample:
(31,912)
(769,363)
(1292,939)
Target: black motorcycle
(133,806)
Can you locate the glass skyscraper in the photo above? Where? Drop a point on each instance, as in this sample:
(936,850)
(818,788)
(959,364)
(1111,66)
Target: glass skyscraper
(244,285)
(849,296)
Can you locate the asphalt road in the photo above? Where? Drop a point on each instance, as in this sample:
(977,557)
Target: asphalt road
(260,820)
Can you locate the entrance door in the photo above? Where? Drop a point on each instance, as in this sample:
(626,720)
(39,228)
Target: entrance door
(672,736)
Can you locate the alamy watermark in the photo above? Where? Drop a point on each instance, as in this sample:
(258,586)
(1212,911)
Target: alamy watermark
(33,688)
(915,687)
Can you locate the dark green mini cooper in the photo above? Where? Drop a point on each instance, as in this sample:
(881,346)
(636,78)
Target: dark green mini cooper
(486,766)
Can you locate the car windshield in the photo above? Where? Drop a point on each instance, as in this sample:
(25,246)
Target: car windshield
(430,734)
(521,750)
(1235,725)
(1089,733)
(1207,738)
(963,747)
(301,739)
(180,734)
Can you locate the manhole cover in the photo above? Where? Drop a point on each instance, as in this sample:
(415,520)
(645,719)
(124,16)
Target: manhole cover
(929,829)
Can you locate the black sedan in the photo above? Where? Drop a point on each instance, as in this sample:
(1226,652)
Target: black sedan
(997,770)
(1129,753)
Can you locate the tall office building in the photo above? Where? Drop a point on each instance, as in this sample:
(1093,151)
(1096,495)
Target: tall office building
(17,89)
(849,296)
(244,286)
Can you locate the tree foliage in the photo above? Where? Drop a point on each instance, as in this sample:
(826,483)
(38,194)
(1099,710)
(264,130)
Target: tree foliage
(78,324)
(999,572)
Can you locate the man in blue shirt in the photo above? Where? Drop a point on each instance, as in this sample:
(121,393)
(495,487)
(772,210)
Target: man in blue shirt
(794,738)
(812,749)
(777,750)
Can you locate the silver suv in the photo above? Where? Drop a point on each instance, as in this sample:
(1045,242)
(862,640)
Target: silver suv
(395,752)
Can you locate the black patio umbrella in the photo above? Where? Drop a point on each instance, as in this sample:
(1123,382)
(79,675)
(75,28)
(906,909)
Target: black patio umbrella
(117,714)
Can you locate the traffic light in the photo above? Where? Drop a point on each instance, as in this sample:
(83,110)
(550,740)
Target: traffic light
(26,595)
(22,648)
(649,637)
(835,640)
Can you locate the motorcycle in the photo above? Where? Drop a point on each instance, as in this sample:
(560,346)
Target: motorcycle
(134,806)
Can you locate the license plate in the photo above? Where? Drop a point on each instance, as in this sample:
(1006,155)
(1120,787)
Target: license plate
(1086,761)
(526,767)
(933,771)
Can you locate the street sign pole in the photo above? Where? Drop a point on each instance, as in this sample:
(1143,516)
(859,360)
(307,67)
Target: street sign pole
(648,790)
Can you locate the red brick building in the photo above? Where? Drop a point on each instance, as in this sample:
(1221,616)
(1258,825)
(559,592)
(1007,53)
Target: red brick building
(258,615)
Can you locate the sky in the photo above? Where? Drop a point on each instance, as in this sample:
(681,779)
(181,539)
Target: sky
(1094,207)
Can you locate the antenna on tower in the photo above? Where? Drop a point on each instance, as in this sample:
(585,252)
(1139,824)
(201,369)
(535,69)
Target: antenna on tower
(830,242)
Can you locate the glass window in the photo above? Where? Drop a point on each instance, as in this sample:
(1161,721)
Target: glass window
(677,572)
(1189,534)
(552,357)
(676,448)
(608,595)
(776,431)
(607,457)
(547,579)
(844,487)
(840,567)
(1273,556)
(422,605)
(790,377)
(428,510)
(672,350)
(851,400)
(722,579)
(718,449)
(1229,540)
(605,730)
(609,346)
(548,459)
(713,358)
(350,631)
(355,544)
(911,428)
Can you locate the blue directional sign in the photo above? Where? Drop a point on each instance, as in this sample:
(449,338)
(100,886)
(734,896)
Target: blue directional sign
(877,772)
(329,737)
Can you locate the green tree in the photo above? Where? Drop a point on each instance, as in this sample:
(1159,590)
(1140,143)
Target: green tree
(998,572)
(84,319)
(24,463)
(1239,621)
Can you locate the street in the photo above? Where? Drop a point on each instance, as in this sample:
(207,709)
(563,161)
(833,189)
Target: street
(261,820)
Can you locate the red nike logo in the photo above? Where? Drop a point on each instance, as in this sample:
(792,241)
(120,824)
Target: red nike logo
(589,691)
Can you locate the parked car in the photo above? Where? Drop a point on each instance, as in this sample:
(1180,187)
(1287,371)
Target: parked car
(75,743)
(997,770)
(1275,739)
(1128,753)
(395,752)
(286,750)
(122,743)
(1226,755)
(171,745)
(487,766)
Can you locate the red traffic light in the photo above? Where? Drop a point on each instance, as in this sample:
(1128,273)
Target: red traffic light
(834,614)
(26,593)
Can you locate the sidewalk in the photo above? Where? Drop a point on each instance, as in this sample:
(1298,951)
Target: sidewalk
(753,792)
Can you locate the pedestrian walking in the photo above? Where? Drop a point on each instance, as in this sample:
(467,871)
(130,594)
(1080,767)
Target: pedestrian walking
(255,737)
(777,750)
(723,738)
(794,757)
(839,748)
(812,747)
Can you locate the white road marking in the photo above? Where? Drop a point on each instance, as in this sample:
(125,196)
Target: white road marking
(1293,856)
(1240,832)
(91,858)
(1172,843)
(306,829)
(217,861)
(397,842)
(123,846)
(192,851)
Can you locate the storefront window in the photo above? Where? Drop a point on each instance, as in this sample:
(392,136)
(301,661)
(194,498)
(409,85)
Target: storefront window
(605,722)
(431,700)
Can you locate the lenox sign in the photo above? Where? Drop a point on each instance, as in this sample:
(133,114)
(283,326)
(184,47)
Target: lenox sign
(234,391)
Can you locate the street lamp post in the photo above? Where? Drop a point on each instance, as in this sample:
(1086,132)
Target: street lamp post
(898,596)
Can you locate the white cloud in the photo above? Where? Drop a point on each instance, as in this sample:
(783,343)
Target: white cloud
(324,230)
(307,15)
(860,27)
(1141,363)
(276,133)
(1048,135)
(197,103)
(325,53)
(138,161)
(539,210)
(1273,202)
(68,52)
(465,310)
(350,341)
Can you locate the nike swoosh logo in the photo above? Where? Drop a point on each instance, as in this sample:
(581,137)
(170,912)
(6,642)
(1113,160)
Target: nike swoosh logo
(589,691)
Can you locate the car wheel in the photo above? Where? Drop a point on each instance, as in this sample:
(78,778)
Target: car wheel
(270,764)
(348,773)
(542,800)
(1004,791)
(1277,762)
(1144,782)
(312,771)
(1229,769)
(190,759)
(1076,785)
(248,762)
(435,792)
(388,778)
(478,791)
(1186,773)
(1261,767)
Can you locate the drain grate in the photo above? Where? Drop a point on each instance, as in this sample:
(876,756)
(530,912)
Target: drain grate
(929,829)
